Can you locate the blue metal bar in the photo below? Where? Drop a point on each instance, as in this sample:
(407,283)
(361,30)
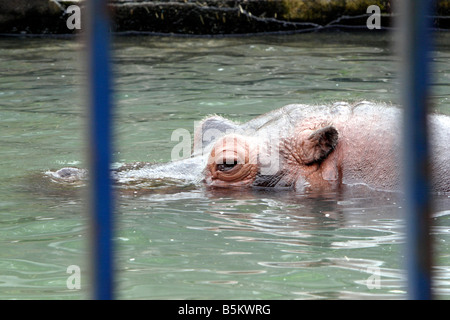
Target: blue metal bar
(416,37)
(100,147)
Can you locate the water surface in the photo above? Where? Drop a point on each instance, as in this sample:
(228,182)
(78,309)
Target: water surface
(180,241)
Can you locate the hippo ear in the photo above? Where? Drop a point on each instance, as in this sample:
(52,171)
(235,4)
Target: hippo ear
(318,144)
(210,129)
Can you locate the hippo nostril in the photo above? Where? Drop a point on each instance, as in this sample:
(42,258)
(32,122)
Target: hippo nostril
(226,166)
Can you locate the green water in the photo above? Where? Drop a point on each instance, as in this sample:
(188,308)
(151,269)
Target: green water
(186,242)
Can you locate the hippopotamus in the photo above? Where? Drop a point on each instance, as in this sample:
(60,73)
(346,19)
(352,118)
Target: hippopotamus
(302,148)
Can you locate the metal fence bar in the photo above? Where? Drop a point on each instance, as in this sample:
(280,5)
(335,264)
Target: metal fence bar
(416,48)
(98,45)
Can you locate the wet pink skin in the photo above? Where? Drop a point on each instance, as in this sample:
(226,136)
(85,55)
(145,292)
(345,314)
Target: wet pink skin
(302,162)
(358,144)
(236,151)
(303,147)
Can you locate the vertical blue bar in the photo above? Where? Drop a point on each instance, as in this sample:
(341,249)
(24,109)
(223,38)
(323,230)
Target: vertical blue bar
(417,44)
(100,147)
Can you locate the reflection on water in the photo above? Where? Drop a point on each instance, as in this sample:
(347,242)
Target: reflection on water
(183,241)
(342,237)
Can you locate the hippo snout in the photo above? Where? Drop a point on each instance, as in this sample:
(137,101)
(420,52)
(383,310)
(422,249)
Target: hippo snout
(69,174)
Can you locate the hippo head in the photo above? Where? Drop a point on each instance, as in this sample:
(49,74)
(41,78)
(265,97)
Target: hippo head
(268,154)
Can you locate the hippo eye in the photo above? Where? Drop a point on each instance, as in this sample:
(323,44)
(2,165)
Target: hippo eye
(232,162)
(226,166)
